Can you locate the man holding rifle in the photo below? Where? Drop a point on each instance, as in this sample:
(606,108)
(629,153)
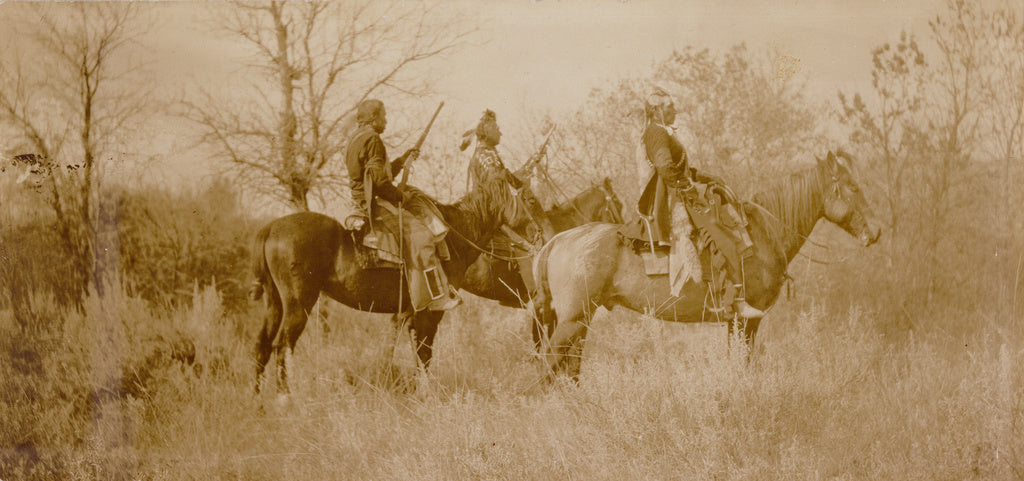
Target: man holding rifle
(371,178)
(485,166)
(486,163)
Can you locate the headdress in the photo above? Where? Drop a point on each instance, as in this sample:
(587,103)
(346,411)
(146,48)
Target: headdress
(478,131)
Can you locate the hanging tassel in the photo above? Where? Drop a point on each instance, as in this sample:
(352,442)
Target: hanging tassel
(467,138)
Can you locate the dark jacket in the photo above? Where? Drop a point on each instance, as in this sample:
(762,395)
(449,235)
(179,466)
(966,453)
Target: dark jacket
(369,172)
(671,174)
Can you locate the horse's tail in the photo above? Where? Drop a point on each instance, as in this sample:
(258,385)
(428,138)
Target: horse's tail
(259,264)
(545,321)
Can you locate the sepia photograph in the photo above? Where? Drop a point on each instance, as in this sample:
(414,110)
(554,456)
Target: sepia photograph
(512,240)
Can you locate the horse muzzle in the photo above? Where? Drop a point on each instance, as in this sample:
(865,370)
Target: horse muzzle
(870,235)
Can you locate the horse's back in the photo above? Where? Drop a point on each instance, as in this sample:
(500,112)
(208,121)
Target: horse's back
(591,266)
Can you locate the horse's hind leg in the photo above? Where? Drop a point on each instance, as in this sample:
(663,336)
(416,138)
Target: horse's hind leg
(296,313)
(543,321)
(565,351)
(750,327)
(267,334)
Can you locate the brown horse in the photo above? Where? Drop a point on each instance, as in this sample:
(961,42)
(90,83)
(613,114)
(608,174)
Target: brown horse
(300,256)
(498,278)
(591,266)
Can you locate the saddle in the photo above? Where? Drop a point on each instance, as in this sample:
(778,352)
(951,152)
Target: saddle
(374,248)
(656,256)
(718,236)
(379,241)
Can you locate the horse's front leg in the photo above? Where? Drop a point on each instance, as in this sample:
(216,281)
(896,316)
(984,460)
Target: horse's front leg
(424,326)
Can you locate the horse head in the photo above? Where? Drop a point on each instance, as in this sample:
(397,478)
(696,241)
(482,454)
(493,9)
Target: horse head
(613,206)
(844,202)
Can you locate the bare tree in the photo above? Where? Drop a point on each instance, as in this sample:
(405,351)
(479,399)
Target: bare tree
(313,62)
(600,139)
(747,114)
(957,101)
(1004,105)
(889,131)
(65,94)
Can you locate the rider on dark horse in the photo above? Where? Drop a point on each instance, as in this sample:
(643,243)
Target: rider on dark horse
(371,179)
(673,181)
(485,166)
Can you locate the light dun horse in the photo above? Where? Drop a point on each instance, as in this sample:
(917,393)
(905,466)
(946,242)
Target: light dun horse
(591,266)
(299,256)
(499,279)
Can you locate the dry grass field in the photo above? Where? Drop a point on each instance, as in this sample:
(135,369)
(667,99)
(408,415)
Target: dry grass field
(829,395)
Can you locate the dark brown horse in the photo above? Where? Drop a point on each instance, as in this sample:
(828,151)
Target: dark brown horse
(300,256)
(591,266)
(497,276)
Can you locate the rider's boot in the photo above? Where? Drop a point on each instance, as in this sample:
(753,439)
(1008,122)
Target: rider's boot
(734,297)
(744,310)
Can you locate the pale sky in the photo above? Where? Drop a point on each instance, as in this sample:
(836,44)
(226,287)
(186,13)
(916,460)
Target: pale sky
(550,53)
(545,56)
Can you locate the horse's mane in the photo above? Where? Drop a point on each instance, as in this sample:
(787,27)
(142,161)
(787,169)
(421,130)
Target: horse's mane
(468,212)
(795,200)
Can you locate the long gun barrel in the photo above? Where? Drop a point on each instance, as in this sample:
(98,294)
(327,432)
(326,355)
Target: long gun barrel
(419,143)
(540,152)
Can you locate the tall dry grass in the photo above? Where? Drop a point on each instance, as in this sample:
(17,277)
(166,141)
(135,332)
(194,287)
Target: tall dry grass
(828,398)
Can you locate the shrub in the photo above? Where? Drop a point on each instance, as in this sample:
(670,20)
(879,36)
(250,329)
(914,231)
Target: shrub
(170,240)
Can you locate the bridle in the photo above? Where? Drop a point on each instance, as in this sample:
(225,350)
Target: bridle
(519,241)
(610,199)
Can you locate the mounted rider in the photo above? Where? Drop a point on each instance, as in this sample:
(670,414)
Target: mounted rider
(674,182)
(486,163)
(486,166)
(371,178)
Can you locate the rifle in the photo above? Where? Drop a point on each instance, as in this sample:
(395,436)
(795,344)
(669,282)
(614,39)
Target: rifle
(540,152)
(419,143)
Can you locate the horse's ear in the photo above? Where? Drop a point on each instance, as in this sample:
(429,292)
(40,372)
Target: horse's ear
(833,163)
(845,159)
(608,182)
